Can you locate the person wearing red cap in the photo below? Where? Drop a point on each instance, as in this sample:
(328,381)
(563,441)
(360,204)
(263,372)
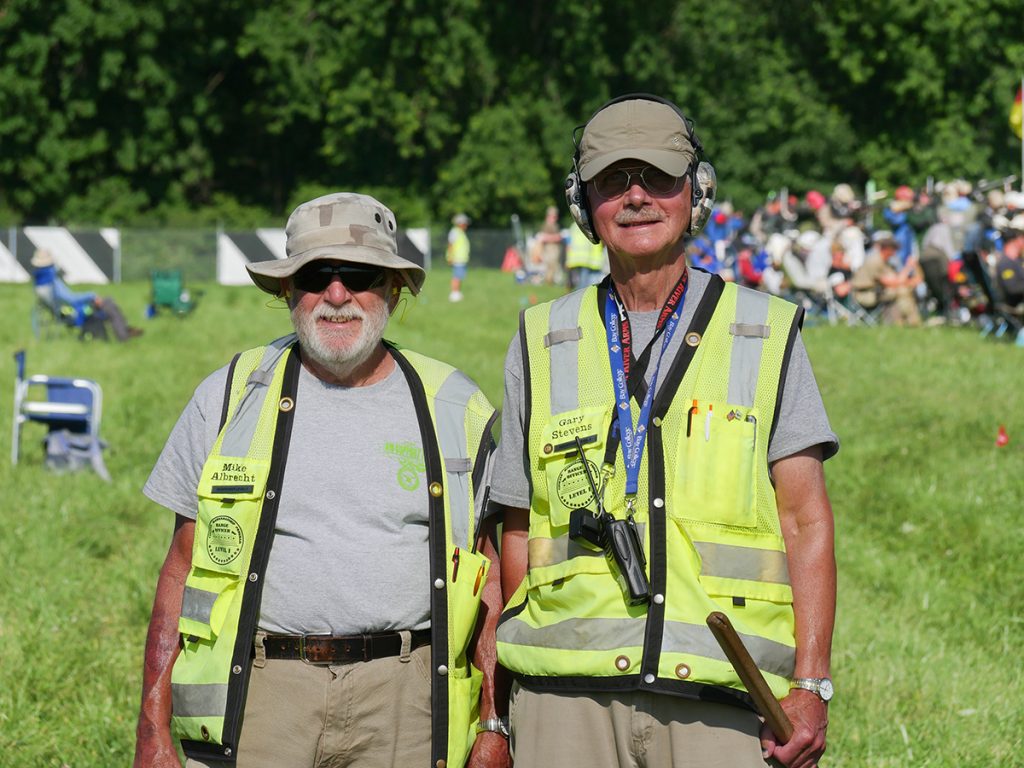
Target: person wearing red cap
(641,420)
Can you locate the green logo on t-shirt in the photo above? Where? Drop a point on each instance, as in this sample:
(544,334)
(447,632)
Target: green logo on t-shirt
(410,463)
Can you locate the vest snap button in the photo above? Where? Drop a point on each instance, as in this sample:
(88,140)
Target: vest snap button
(622,663)
(656,421)
(435,489)
(237,669)
(442,670)
(648,678)
(286,404)
(271,495)
(658,599)
(659,503)
(438,583)
(682,671)
(440,764)
(227,751)
(253,576)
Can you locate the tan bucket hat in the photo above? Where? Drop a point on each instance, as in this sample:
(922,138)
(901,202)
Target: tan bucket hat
(343,226)
(637,129)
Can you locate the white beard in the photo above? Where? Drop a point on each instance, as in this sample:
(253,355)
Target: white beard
(339,351)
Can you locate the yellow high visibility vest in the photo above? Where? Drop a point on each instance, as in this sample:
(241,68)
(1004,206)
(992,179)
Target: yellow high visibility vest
(239,492)
(705,506)
(458,246)
(583,253)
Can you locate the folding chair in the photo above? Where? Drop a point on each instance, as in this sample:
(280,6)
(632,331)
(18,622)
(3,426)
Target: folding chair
(71,412)
(168,292)
(1004,316)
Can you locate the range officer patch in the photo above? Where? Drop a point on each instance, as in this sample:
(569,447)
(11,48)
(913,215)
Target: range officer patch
(224,539)
(573,487)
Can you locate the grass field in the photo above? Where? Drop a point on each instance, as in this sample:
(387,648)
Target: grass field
(931,626)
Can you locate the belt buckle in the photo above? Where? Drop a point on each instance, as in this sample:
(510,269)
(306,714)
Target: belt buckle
(302,648)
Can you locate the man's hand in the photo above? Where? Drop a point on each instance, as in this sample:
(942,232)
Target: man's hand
(809,715)
(155,751)
(490,750)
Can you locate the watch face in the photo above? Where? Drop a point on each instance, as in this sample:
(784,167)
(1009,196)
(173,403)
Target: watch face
(825,689)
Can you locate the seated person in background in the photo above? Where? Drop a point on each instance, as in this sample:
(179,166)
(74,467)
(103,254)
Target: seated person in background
(88,307)
(877,282)
(1010,267)
(703,255)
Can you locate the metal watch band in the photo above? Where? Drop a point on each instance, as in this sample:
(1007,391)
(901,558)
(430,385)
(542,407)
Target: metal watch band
(493,725)
(821,686)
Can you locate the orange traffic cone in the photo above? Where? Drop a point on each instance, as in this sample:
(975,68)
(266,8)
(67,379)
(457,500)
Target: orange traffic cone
(1001,437)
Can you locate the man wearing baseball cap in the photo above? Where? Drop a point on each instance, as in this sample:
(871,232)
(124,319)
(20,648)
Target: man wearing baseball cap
(661,459)
(327,564)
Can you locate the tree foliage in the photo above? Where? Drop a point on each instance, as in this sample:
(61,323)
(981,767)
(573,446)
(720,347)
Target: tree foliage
(114,111)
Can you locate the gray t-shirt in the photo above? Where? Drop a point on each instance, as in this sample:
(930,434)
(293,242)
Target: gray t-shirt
(350,552)
(802,420)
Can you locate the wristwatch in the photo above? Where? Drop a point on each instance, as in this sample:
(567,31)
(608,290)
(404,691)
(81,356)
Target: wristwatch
(819,685)
(494,725)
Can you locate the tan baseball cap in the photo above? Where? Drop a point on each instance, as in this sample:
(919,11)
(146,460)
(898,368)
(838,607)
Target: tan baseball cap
(343,226)
(637,129)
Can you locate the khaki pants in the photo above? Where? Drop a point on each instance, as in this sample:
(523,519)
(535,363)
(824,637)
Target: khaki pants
(366,715)
(630,730)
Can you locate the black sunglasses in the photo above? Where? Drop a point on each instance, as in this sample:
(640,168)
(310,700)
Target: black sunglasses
(317,275)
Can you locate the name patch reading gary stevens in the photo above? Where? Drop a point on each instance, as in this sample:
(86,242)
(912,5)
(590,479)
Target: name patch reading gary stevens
(224,540)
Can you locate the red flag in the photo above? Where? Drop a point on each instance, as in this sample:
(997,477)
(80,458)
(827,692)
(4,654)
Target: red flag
(1015,115)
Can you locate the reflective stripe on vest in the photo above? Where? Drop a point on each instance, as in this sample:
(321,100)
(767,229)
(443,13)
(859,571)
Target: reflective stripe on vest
(745,362)
(241,428)
(450,416)
(563,340)
(199,699)
(197,604)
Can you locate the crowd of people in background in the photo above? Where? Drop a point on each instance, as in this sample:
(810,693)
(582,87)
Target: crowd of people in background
(945,254)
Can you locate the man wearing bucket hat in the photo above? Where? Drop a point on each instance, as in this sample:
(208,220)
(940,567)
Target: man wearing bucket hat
(327,564)
(661,459)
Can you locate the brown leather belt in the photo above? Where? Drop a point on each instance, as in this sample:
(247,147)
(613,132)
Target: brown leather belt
(325,649)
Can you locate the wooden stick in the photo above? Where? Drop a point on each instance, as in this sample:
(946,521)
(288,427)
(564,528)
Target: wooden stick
(751,677)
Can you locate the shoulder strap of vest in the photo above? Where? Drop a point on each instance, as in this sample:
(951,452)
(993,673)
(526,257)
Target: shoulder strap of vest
(698,324)
(227,391)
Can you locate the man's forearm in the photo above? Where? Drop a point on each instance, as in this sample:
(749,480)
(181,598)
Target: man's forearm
(162,646)
(153,734)
(494,690)
(809,531)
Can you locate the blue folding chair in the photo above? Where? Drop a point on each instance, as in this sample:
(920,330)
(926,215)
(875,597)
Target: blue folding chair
(70,409)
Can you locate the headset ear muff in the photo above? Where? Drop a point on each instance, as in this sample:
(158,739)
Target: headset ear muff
(705,189)
(579,207)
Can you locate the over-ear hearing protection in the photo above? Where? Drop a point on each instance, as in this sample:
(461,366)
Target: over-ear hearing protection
(703,181)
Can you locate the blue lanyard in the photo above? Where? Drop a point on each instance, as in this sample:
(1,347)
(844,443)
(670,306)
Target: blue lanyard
(633,440)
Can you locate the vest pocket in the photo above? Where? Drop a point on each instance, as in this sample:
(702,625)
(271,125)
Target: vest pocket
(465,591)
(566,479)
(230,498)
(715,480)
